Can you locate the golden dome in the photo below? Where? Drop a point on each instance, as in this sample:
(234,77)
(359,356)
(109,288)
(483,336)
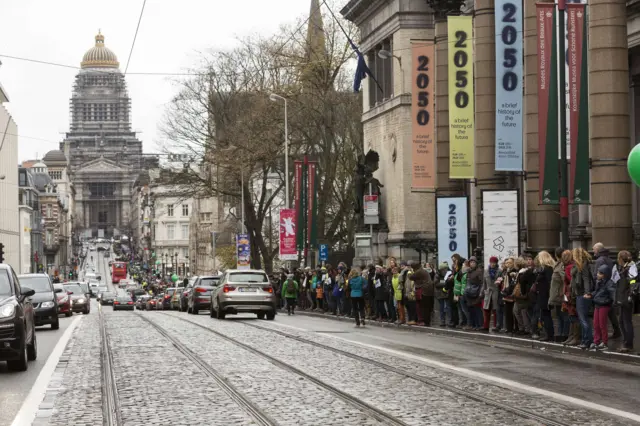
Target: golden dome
(99,56)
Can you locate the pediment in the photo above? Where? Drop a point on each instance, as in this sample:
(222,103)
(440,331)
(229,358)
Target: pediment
(100,165)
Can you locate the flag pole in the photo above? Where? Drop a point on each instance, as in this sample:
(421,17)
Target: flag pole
(564,190)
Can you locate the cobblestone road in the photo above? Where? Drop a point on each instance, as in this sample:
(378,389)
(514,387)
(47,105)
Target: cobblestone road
(291,378)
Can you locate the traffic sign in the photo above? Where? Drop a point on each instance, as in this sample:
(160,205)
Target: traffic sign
(324,252)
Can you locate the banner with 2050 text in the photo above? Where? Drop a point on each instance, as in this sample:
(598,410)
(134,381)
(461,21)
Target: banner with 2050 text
(509,94)
(461,105)
(452,216)
(578,103)
(547,103)
(423,130)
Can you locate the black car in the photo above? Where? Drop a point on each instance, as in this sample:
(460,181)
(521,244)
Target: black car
(106,298)
(80,301)
(45,302)
(18,342)
(124,303)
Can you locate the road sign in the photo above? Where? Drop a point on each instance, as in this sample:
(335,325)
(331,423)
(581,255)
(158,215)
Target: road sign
(324,252)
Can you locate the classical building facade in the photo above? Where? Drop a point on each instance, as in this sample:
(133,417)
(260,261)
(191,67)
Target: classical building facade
(613,217)
(103,153)
(32,223)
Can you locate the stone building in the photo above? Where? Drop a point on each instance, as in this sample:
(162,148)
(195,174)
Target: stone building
(32,244)
(9,223)
(103,153)
(614,96)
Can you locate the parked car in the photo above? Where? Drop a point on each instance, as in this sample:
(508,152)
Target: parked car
(79,300)
(123,302)
(141,302)
(18,342)
(175,299)
(200,296)
(168,295)
(244,291)
(64,300)
(151,304)
(107,298)
(45,302)
(184,297)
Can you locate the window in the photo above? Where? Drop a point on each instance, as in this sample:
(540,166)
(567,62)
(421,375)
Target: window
(185,210)
(170,210)
(49,237)
(185,252)
(382,69)
(55,175)
(49,211)
(171,232)
(185,232)
(23,178)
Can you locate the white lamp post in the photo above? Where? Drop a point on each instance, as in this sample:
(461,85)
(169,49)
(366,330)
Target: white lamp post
(276,98)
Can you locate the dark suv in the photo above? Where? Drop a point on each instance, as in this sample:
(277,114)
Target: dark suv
(17,327)
(45,302)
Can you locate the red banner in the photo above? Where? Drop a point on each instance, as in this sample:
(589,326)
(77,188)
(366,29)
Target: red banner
(311,203)
(288,249)
(547,104)
(298,203)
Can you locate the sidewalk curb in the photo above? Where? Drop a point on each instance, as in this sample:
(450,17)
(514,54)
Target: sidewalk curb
(492,338)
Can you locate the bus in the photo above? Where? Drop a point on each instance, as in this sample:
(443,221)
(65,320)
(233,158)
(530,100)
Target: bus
(119,272)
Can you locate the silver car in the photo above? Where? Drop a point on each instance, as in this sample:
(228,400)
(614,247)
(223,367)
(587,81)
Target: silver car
(244,291)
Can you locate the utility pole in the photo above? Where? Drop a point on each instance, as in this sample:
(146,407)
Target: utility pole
(564,184)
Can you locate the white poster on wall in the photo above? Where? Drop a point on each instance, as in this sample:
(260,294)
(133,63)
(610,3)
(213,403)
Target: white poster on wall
(500,224)
(453,228)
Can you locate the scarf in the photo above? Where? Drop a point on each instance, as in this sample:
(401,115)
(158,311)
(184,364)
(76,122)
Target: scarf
(492,273)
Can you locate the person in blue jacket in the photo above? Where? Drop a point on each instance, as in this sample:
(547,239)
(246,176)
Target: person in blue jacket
(356,285)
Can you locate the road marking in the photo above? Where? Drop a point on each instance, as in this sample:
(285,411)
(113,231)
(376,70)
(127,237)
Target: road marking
(30,406)
(487,377)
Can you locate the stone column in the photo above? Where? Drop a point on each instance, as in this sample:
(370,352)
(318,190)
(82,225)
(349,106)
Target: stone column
(484,34)
(543,221)
(444,185)
(609,124)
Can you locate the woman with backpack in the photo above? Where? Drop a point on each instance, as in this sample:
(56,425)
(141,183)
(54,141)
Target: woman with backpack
(626,287)
(581,289)
(290,293)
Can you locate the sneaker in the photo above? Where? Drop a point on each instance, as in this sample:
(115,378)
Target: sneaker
(615,335)
(624,350)
(443,324)
(411,323)
(535,336)
(357,325)
(583,346)
(496,329)
(363,323)
(601,346)
(593,347)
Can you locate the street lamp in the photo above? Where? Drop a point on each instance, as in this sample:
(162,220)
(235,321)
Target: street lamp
(385,54)
(276,98)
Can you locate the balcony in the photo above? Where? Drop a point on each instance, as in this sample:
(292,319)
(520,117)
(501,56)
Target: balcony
(51,248)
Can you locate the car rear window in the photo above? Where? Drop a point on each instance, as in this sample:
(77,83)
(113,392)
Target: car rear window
(248,277)
(211,282)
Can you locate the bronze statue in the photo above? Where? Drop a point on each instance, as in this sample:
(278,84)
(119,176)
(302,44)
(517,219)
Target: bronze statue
(364,182)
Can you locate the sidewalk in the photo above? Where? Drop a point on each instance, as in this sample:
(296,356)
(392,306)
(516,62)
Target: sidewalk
(497,338)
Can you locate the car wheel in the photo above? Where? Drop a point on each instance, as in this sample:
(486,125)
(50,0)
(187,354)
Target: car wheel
(68,314)
(212,312)
(271,316)
(220,313)
(261,316)
(194,310)
(85,312)
(32,348)
(55,325)
(22,363)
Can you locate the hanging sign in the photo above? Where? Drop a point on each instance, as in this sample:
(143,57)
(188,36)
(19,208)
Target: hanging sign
(371,210)
(288,234)
(578,104)
(461,109)
(243,251)
(500,228)
(453,227)
(547,103)
(509,94)
(300,202)
(423,117)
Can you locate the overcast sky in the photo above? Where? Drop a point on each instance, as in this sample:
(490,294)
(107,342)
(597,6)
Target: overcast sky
(171,34)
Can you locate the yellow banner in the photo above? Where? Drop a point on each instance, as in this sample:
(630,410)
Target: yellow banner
(461,118)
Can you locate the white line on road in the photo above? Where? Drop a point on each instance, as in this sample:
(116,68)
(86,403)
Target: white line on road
(486,377)
(29,408)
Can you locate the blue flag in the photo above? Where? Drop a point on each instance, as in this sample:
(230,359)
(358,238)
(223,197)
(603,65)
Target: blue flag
(362,70)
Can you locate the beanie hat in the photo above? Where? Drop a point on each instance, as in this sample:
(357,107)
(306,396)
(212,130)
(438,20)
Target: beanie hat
(493,259)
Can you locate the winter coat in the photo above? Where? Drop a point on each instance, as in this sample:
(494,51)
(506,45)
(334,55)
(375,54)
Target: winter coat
(490,289)
(557,285)
(543,286)
(409,286)
(441,291)
(460,282)
(356,284)
(569,300)
(602,259)
(397,289)
(379,283)
(525,280)
(604,293)
(626,284)
(581,281)
(285,291)
(474,279)
(508,284)
(423,281)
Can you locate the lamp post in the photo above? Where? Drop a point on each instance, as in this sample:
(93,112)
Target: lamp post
(564,190)
(164,268)
(385,54)
(276,98)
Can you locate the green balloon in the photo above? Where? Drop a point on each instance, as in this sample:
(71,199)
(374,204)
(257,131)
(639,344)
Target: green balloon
(174,278)
(633,165)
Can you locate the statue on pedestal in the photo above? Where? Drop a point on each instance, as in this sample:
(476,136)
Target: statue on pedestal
(365,183)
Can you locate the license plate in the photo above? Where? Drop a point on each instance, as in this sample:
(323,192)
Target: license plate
(247,290)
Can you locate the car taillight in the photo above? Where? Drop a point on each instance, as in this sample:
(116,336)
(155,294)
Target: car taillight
(268,289)
(129,303)
(153,302)
(227,288)
(116,302)
(166,297)
(201,290)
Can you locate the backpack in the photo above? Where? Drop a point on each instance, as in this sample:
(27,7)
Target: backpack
(291,287)
(472,291)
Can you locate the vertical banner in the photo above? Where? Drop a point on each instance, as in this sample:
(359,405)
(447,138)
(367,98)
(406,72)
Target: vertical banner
(578,104)
(423,130)
(461,116)
(452,216)
(509,94)
(500,222)
(312,205)
(547,103)
(299,205)
(288,235)
(243,252)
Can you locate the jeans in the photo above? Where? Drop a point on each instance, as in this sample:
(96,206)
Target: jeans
(626,325)
(463,311)
(582,307)
(392,310)
(563,321)
(358,309)
(600,322)
(475,313)
(445,310)
(521,315)
(547,322)
(534,317)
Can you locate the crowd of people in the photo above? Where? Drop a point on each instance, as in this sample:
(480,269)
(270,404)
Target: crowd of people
(568,297)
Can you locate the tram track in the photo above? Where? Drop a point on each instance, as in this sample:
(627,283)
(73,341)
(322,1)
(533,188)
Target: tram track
(361,405)
(260,417)
(111,414)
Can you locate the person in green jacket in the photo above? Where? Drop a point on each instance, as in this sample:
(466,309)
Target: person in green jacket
(290,293)
(460,283)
